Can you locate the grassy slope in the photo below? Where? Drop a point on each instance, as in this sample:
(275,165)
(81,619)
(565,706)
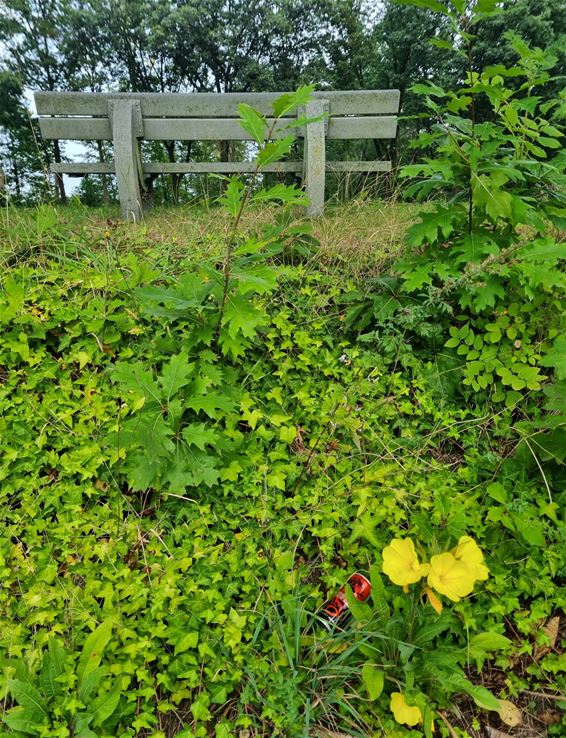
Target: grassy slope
(389,455)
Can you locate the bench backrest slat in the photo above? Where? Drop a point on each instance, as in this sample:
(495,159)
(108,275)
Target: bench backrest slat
(212,129)
(211,104)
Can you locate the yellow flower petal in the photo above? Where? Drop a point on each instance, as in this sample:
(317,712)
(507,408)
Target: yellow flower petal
(470,553)
(433,600)
(451,577)
(403,713)
(401,564)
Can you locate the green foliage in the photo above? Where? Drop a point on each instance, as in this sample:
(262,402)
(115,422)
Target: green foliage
(59,698)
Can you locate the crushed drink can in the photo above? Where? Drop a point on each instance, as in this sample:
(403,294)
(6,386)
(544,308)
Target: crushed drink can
(337,609)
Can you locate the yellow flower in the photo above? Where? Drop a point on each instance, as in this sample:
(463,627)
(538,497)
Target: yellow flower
(433,600)
(401,564)
(470,554)
(403,713)
(451,577)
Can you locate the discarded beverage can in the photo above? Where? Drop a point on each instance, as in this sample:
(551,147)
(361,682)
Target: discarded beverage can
(337,609)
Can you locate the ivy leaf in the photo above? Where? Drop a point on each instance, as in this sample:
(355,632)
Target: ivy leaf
(252,122)
(556,358)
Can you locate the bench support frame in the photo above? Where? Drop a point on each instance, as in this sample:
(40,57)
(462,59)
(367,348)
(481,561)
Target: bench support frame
(127,126)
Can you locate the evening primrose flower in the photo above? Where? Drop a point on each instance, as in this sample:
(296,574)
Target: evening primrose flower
(403,713)
(401,564)
(470,554)
(451,577)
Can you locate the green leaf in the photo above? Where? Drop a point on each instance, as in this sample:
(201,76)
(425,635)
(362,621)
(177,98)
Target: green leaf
(556,358)
(28,697)
(210,404)
(374,680)
(105,704)
(259,279)
(252,122)
(290,101)
(199,435)
(241,316)
(361,611)
(189,640)
(175,374)
(93,649)
(90,683)
(274,150)
(288,194)
(483,643)
(54,666)
(18,719)
(232,197)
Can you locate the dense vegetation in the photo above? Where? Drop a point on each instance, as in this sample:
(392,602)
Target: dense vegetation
(206,430)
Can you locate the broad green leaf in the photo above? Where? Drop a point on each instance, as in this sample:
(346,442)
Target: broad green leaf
(28,697)
(556,358)
(253,122)
(82,730)
(93,648)
(483,643)
(288,194)
(19,719)
(374,680)
(105,704)
(54,666)
(259,279)
(90,683)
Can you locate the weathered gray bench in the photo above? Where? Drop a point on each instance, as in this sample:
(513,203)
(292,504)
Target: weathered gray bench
(127,118)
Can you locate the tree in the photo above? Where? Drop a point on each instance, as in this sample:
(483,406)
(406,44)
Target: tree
(19,154)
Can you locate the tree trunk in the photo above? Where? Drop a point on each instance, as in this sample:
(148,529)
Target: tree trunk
(175,178)
(104,177)
(59,177)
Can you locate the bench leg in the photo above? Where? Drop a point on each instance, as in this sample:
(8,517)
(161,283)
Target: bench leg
(127,158)
(315,158)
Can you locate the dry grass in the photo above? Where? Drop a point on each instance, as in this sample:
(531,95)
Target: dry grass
(357,238)
(361,236)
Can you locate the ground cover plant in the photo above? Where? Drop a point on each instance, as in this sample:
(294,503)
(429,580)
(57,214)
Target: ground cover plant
(202,441)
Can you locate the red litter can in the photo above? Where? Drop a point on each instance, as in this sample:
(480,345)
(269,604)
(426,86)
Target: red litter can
(336,609)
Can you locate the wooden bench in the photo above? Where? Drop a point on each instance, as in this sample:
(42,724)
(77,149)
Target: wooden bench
(127,118)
